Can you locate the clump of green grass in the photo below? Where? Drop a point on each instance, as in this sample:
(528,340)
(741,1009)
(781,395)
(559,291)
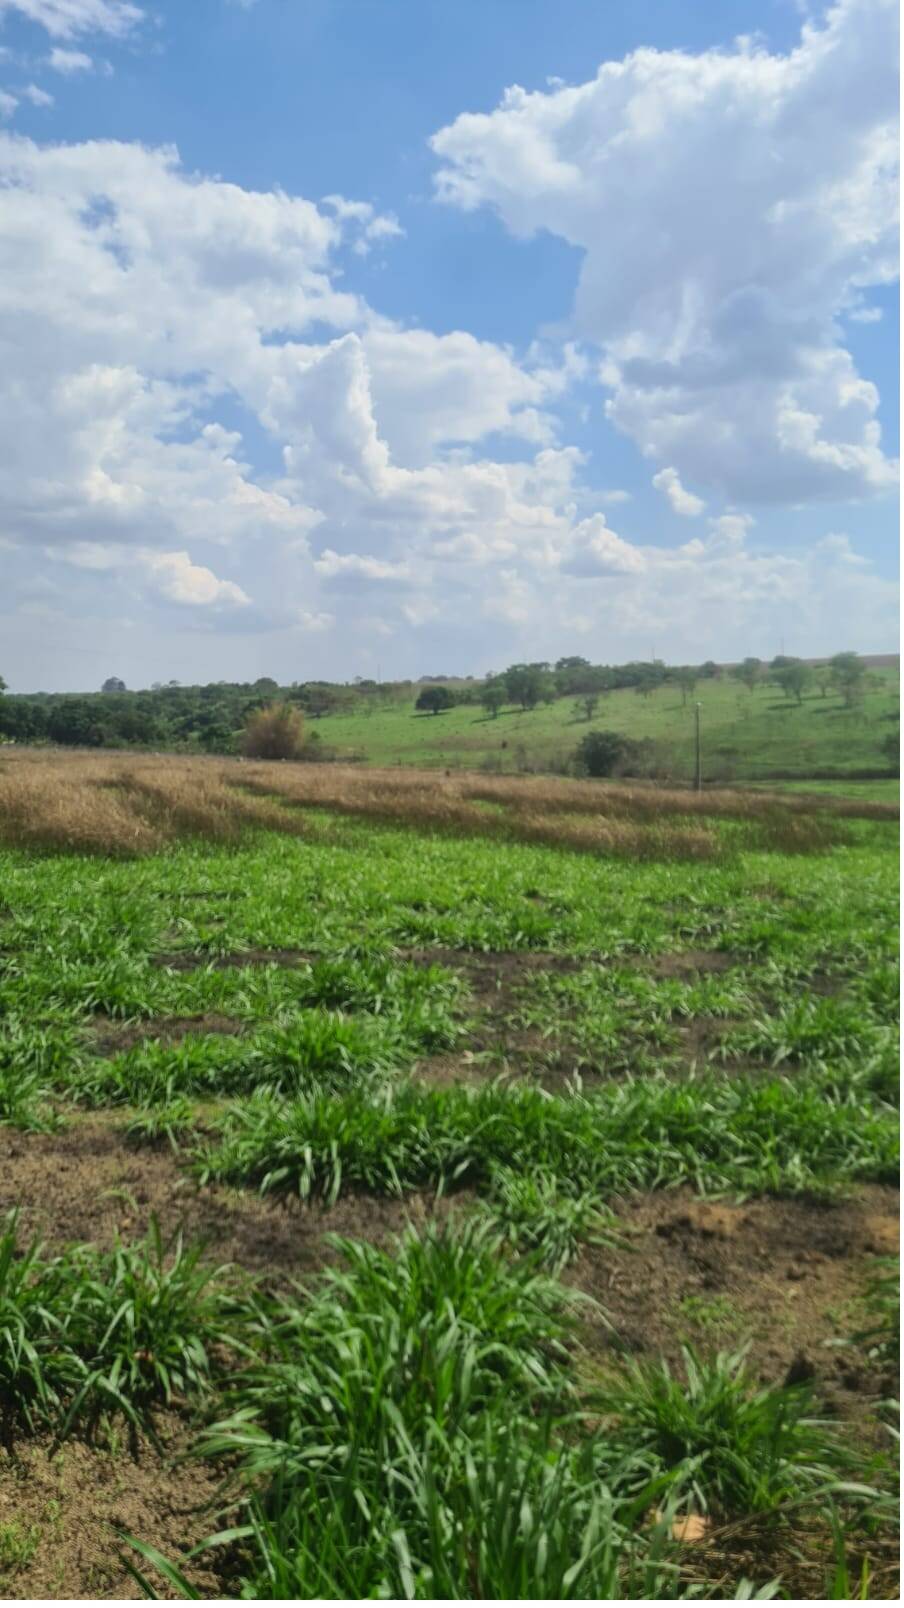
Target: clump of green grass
(738,1449)
(810,1029)
(409,1429)
(538,1213)
(711,1133)
(23,1103)
(169,1121)
(91,1331)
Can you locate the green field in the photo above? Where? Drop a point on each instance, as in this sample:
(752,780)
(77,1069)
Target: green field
(745,736)
(610,1149)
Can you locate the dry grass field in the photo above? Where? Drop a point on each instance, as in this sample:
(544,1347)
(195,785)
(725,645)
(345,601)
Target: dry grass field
(130,805)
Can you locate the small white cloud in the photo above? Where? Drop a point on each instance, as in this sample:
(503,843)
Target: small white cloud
(66,19)
(866,315)
(8,103)
(178,580)
(372,226)
(359,567)
(730,529)
(597,550)
(37,96)
(306,621)
(683,502)
(68,62)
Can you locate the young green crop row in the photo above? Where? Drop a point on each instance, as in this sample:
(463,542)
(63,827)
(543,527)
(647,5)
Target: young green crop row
(411,1426)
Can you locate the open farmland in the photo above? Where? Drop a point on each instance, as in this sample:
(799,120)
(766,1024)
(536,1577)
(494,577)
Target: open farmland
(534,1151)
(747,736)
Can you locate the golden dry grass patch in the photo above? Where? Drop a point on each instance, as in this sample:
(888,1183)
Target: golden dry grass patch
(125,804)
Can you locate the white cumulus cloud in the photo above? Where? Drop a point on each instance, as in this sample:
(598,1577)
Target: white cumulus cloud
(682,501)
(729,207)
(67,19)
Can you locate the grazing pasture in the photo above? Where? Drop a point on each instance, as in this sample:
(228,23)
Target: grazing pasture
(747,736)
(443,1187)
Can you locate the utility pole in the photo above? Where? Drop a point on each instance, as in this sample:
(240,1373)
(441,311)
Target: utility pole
(698,769)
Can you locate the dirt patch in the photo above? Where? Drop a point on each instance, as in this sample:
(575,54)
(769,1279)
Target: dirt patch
(110,1037)
(788,1273)
(442,1071)
(690,963)
(69,1509)
(192,960)
(86,1183)
(494,976)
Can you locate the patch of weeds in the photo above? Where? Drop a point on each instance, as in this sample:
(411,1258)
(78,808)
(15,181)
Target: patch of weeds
(638,1135)
(538,1213)
(167,1122)
(18,1545)
(714,1314)
(89,1332)
(738,1448)
(881,1338)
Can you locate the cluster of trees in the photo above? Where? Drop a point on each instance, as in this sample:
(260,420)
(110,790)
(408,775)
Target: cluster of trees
(844,673)
(527,685)
(214,718)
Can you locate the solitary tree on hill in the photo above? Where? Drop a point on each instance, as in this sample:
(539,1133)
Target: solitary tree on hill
(794,678)
(434,699)
(848,673)
(113,684)
(750,672)
(492,696)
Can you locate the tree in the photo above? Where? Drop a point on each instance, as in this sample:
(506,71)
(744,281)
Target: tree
(848,674)
(750,672)
(590,701)
(609,753)
(276,732)
(525,684)
(794,678)
(709,670)
(434,699)
(113,684)
(891,748)
(687,681)
(492,696)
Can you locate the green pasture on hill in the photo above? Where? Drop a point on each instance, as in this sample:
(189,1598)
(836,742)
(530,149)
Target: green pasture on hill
(745,736)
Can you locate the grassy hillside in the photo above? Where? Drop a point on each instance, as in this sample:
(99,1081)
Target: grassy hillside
(746,736)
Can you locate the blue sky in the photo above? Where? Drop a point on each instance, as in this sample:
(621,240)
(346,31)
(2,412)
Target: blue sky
(356,335)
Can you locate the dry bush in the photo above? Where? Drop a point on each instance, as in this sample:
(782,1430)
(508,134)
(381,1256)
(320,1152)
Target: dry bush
(276,732)
(126,805)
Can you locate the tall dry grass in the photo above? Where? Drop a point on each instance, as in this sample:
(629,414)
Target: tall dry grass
(127,805)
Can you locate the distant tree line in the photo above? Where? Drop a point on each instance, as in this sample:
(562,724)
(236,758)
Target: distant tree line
(214,718)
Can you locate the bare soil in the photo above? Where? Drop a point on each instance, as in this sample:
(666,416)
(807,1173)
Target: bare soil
(71,1507)
(86,1183)
(110,1037)
(789,1274)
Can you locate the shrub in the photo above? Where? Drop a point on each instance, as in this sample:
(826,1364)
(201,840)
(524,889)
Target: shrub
(276,732)
(434,699)
(610,753)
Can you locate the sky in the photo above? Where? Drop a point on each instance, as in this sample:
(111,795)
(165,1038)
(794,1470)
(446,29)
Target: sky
(395,338)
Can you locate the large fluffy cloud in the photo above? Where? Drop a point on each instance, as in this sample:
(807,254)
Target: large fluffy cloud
(207,425)
(730,206)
